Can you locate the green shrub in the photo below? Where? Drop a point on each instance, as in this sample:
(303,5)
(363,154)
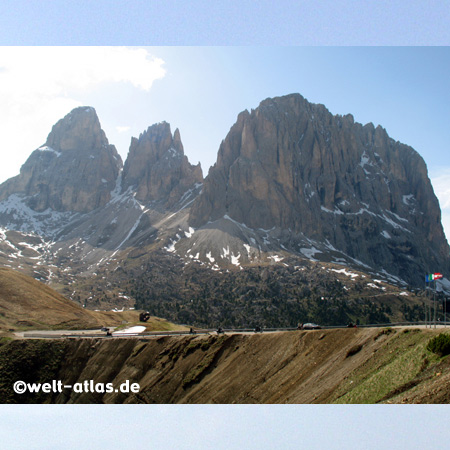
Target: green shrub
(354,350)
(440,344)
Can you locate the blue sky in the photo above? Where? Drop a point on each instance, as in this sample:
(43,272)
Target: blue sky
(201,91)
(223,427)
(225,22)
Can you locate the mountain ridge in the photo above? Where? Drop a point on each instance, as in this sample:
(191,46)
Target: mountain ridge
(291,183)
(291,165)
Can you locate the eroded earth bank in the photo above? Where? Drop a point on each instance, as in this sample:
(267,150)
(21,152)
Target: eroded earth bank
(323,366)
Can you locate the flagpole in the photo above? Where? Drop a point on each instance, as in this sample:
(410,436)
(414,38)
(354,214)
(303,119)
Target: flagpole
(444,310)
(430,308)
(444,307)
(427,307)
(434,301)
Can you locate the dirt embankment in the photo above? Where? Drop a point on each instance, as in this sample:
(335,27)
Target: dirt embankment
(324,366)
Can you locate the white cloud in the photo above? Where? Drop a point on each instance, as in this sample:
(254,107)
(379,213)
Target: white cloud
(123,129)
(441,186)
(446,223)
(39,85)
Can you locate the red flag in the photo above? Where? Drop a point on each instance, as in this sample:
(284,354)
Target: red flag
(437,276)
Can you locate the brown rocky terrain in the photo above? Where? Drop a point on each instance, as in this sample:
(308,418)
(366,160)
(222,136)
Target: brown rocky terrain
(381,365)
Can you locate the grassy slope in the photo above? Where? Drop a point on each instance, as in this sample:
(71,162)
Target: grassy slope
(27,304)
(401,359)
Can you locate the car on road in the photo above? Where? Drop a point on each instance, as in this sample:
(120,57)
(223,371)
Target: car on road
(310,326)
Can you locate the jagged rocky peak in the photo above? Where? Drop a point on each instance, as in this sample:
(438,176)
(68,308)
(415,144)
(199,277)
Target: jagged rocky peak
(75,170)
(157,168)
(267,159)
(292,165)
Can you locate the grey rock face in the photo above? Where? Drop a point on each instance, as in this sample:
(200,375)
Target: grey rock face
(292,165)
(75,170)
(291,181)
(157,168)
(72,210)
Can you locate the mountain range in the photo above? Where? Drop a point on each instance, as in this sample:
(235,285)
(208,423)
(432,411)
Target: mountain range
(299,204)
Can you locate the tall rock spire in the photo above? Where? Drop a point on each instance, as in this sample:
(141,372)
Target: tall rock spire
(157,167)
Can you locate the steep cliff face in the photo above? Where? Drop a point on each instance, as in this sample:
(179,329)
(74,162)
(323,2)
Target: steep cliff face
(75,170)
(292,165)
(157,168)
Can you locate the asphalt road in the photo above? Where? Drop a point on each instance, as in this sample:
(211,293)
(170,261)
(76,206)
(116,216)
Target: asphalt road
(59,334)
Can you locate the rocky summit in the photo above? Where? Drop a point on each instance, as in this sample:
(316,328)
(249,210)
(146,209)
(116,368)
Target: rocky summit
(157,169)
(323,185)
(75,170)
(304,216)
